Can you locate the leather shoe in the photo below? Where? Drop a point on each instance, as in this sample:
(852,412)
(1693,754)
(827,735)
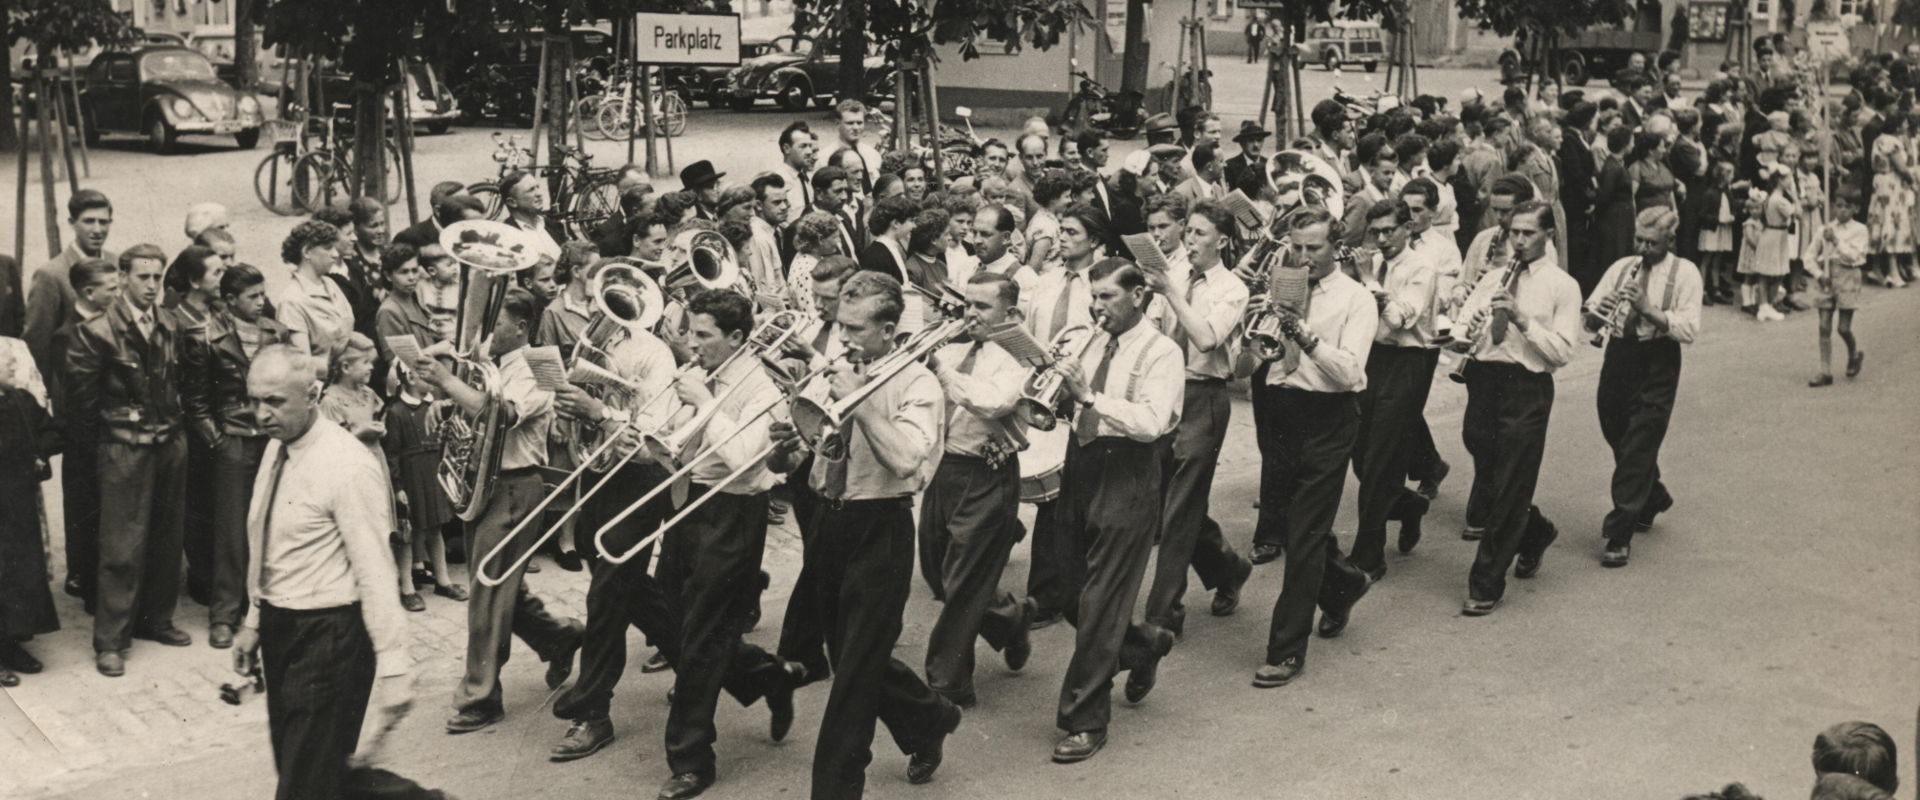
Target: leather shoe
(560,662)
(474,719)
(1021,648)
(1478,608)
(1273,676)
(1044,619)
(1079,747)
(169,636)
(569,561)
(780,699)
(1226,599)
(1659,505)
(1472,534)
(110,663)
(1263,553)
(658,663)
(1616,555)
(220,636)
(1410,527)
(921,765)
(1527,566)
(1141,678)
(8,680)
(1430,488)
(686,784)
(583,738)
(1333,622)
(16,658)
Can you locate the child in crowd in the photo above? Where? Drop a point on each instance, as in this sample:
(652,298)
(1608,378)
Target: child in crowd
(1890,214)
(352,403)
(1768,246)
(1769,143)
(440,292)
(412,443)
(1859,749)
(1810,192)
(1716,235)
(1834,262)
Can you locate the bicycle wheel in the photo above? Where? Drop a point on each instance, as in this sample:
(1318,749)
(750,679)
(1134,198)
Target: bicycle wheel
(273,182)
(586,115)
(673,112)
(614,122)
(319,181)
(488,193)
(396,180)
(588,208)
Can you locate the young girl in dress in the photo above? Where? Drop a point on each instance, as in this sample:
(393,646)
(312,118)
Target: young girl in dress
(413,457)
(1890,214)
(352,403)
(1716,235)
(1769,245)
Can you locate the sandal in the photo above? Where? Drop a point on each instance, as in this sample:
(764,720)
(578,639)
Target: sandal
(411,601)
(1853,364)
(452,591)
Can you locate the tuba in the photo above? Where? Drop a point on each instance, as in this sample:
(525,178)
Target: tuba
(1043,400)
(625,302)
(702,259)
(493,252)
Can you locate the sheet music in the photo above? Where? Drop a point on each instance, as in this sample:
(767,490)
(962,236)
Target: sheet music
(1146,252)
(549,370)
(1014,338)
(586,373)
(1243,209)
(406,349)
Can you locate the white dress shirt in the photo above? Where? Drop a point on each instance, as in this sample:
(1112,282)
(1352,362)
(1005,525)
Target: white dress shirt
(532,413)
(1048,289)
(1343,314)
(741,414)
(1011,266)
(763,254)
(1220,299)
(317,537)
(1674,287)
(543,242)
(915,405)
(1481,257)
(799,191)
(1144,388)
(1411,282)
(645,361)
(1441,250)
(989,389)
(1549,299)
(960,265)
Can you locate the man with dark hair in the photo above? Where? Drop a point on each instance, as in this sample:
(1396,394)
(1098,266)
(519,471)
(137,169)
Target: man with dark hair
(1309,396)
(832,191)
(766,259)
(992,238)
(1093,150)
(1252,140)
(1491,248)
(1528,333)
(493,612)
(715,550)
(50,298)
(1205,183)
(858,567)
(419,234)
(891,224)
(798,152)
(1126,384)
(96,283)
(1634,111)
(123,387)
(969,516)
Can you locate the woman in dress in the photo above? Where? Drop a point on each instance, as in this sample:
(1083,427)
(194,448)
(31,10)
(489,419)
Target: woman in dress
(28,442)
(1772,244)
(815,237)
(1612,236)
(312,305)
(1653,183)
(1890,212)
(1053,192)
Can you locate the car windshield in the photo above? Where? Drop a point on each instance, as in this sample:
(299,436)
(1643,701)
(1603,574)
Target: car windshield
(177,65)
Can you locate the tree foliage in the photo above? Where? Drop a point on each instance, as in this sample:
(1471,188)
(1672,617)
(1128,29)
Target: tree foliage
(1544,17)
(908,29)
(66,24)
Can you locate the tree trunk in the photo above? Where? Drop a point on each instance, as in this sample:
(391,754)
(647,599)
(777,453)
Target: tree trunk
(853,51)
(559,102)
(369,141)
(1133,70)
(246,60)
(8,138)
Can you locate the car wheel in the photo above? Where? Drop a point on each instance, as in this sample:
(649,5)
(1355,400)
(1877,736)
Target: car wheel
(794,96)
(739,103)
(439,128)
(160,135)
(823,102)
(717,95)
(1573,69)
(247,138)
(1332,59)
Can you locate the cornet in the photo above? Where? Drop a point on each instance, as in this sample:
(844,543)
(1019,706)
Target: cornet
(1043,401)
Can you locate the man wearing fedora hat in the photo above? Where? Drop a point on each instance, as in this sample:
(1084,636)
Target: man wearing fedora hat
(1161,129)
(700,178)
(1252,140)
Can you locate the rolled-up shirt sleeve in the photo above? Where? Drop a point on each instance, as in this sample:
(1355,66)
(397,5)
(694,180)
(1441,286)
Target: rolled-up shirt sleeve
(987,392)
(1406,299)
(1553,337)
(918,416)
(364,514)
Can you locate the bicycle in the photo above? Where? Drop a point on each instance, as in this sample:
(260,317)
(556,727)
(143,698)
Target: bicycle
(273,179)
(616,120)
(326,172)
(588,194)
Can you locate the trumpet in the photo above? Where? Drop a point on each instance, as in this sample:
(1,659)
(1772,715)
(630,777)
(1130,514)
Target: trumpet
(1042,401)
(1615,322)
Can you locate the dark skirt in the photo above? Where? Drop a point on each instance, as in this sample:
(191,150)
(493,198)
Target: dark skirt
(26,597)
(414,458)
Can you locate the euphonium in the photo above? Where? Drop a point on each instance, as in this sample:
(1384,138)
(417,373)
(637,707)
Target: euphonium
(1043,399)
(471,443)
(625,302)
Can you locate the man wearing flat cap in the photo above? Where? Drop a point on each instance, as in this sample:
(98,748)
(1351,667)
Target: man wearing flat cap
(1252,140)
(700,178)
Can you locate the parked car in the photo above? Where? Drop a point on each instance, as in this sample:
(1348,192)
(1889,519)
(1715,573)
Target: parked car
(808,72)
(164,92)
(430,103)
(1345,42)
(709,84)
(271,69)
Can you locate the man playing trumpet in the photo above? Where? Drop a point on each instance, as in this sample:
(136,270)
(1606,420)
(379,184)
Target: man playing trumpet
(1644,308)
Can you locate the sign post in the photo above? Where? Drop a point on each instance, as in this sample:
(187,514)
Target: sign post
(678,40)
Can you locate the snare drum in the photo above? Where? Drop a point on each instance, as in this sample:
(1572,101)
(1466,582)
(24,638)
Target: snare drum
(1041,463)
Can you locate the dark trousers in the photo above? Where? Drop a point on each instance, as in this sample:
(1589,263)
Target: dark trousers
(1506,431)
(803,637)
(497,613)
(1270,525)
(141,515)
(708,564)
(1390,411)
(1423,456)
(1312,439)
(235,462)
(198,531)
(619,595)
(968,522)
(1058,568)
(1638,382)
(318,667)
(80,497)
(1110,501)
(1188,536)
(854,579)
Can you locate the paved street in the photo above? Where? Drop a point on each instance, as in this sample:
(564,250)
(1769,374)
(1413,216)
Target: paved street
(1782,594)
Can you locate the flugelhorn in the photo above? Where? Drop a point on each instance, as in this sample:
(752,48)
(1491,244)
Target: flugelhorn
(472,442)
(1043,399)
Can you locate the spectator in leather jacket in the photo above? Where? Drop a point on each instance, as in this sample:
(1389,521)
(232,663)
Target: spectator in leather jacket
(219,412)
(124,390)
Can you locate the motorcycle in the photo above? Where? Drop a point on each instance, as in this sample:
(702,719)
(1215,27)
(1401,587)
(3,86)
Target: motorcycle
(1119,114)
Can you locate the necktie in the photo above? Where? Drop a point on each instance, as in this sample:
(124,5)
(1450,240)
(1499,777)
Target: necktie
(973,356)
(821,339)
(1062,305)
(1087,426)
(1194,277)
(806,189)
(266,518)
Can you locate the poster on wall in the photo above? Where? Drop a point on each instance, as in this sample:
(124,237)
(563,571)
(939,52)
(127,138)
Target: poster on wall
(1707,22)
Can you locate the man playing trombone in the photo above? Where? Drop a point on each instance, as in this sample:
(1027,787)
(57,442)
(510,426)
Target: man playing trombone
(858,569)
(710,555)
(969,518)
(495,611)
